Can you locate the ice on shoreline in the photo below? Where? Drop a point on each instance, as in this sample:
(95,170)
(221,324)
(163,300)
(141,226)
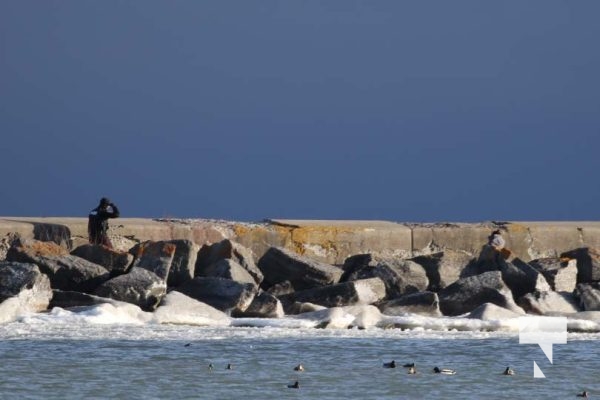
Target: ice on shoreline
(367,320)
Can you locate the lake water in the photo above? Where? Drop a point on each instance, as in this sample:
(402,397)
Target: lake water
(102,355)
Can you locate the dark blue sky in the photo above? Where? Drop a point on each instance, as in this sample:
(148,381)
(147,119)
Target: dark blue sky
(244,110)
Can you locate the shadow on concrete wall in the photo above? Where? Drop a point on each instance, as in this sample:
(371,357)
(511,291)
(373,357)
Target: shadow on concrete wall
(59,234)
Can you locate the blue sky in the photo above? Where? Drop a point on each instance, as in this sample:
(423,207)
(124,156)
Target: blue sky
(245,110)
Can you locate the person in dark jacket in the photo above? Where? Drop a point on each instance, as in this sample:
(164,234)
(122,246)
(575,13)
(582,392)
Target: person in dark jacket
(98,222)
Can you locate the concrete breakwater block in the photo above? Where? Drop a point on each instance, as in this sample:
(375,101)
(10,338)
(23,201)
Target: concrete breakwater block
(116,262)
(139,286)
(549,303)
(422,303)
(561,273)
(223,294)
(400,276)
(24,286)
(279,265)
(228,250)
(466,294)
(66,271)
(363,291)
(445,267)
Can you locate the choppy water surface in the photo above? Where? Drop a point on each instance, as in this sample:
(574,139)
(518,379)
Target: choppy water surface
(55,360)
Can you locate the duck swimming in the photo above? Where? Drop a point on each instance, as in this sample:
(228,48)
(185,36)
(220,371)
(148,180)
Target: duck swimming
(444,371)
(296,385)
(409,365)
(508,371)
(299,368)
(583,394)
(412,370)
(391,364)
(229,366)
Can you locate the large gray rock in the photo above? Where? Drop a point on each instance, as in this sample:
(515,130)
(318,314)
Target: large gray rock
(491,312)
(549,303)
(423,303)
(25,286)
(65,271)
(264,305)
(400,276)
(33,248)
(522,278)
(227,249)
(155,257)
(446,267)
(364,291)
(116,262)
(466,294)
(139,286)
(223,294)
(561,274)
(519,276)
(589,296)
(228,268)
(279,265)
(588,263)
(183,265)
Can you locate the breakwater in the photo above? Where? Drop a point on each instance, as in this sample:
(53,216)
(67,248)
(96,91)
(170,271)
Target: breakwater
(324,240)
(333,273)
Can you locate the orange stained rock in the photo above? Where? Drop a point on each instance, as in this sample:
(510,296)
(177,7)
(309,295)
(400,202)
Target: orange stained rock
(44,248)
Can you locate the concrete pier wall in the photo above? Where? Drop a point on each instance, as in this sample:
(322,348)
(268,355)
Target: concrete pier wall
(327,241)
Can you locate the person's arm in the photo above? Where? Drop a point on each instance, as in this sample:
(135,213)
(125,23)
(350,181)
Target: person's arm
(115,211)
(105,214)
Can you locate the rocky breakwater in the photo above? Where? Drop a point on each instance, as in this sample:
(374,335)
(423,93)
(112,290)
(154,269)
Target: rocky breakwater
(181,281)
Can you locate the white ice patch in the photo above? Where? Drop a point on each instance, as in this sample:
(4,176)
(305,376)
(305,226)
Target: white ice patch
(101,314)
(364,316)
(284,323)
(26,302)
(413,321)
(11,309)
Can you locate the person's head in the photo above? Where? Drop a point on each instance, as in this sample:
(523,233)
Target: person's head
(104,202)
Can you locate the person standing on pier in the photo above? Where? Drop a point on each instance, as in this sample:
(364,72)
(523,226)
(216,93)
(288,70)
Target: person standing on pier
(98,222)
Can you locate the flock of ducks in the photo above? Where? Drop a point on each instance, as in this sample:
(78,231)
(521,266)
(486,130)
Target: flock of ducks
(411,370)
(297,368)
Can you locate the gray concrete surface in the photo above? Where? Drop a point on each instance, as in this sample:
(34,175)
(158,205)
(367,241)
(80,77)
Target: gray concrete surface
(327,241)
